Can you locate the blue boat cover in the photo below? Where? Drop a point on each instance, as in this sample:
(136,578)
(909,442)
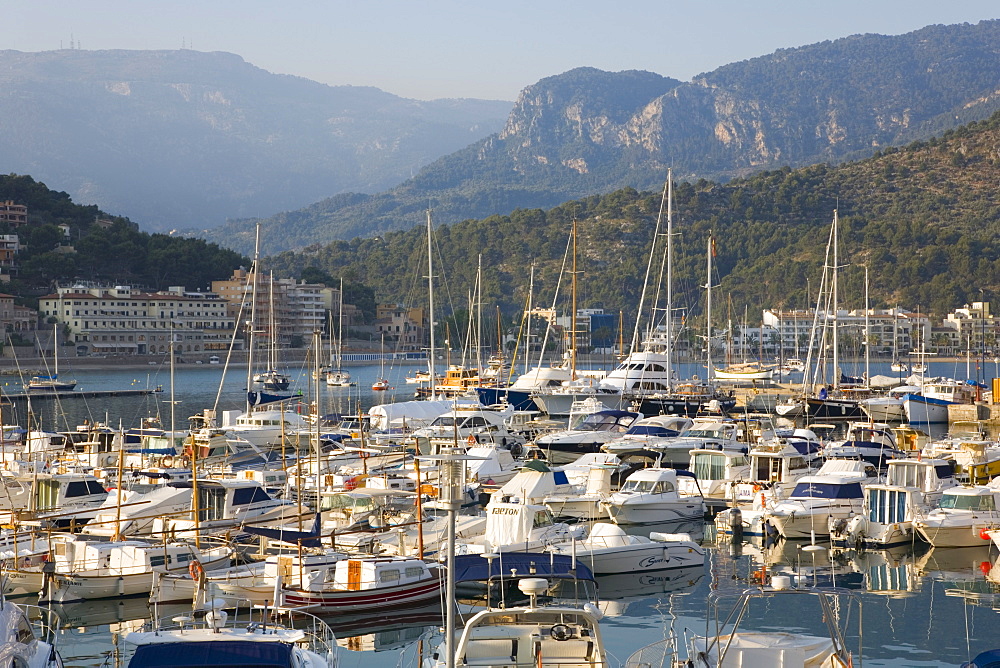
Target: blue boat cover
(988,659)
(309,538)
(475,568)
(245,653)
(262,398)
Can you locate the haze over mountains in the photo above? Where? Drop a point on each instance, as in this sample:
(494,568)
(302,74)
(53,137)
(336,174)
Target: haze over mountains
(185,140)
(188,139)
(587,131)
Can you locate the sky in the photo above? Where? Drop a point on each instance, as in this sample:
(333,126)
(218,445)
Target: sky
(473,48)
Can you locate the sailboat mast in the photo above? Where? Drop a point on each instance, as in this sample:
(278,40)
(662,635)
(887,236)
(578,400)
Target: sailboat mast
(708,310)
(867,340)
(836,340)
(253,313)
(340,328)
(572,342)
(430,307)
(649,264)
(670,281)
(527,328)
(479,314)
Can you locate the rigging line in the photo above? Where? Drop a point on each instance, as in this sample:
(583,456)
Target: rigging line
(649,264)
(555,298)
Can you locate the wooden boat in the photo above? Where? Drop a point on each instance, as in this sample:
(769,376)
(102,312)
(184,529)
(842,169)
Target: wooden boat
(369,583)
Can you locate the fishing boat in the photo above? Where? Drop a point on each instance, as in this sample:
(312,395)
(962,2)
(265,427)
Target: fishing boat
(360,584)
(931,405)
(94,569)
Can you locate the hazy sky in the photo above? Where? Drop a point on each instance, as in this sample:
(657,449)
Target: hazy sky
(446,48)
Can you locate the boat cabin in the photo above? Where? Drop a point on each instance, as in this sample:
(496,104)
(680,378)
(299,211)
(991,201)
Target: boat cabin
(66,491)
(121,557)
(377,572)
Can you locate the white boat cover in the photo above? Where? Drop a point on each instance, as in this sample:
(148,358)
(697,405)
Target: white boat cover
(416,414)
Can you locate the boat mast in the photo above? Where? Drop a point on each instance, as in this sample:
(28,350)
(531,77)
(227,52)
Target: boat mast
(572,343)
(527,328)
(836,340)
(867,340)
(253,314)
(708,310)
(430,307)
(340,328)
(649,264)
(479,314)
(670,281)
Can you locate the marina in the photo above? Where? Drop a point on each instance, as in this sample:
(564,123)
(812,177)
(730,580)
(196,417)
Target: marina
(924,606)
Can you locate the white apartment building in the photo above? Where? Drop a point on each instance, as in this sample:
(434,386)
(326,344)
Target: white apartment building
(123,321)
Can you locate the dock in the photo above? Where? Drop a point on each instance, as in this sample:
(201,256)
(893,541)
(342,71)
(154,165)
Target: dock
(79,394)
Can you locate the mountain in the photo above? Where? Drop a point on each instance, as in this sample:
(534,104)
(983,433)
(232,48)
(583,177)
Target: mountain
(185,139)
(923,219)
(588,131)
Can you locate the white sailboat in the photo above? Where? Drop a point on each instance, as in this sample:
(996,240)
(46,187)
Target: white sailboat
(381,384)
(337,376)
(51,383)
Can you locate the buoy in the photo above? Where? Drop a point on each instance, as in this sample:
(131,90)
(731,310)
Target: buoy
(983,533)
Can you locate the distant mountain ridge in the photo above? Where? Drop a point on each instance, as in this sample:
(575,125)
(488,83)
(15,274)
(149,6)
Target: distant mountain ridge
(187,139)
(588,131)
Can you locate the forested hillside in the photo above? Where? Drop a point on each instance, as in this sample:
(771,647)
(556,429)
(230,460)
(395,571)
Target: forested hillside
(587,131)
(923,219)
(113,251)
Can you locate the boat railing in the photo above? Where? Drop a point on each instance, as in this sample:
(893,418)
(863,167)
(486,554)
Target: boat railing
(44,622)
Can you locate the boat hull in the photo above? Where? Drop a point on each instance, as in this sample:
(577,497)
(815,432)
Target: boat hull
(920,410)
(365,599)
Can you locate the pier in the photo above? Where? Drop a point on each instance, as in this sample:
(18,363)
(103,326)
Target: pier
(79,394)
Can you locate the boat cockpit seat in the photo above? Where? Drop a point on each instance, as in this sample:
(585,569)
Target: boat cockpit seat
(491,652)
(573,653)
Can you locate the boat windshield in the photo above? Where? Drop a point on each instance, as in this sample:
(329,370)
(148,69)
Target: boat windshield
(605,422)
(648,486)
(444,421)
(826,490)
(703,433)
(968,501)
(651,430)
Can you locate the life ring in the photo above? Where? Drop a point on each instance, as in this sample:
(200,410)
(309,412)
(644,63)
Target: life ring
(756,488)
(471,440)
(196,570)
(167,461)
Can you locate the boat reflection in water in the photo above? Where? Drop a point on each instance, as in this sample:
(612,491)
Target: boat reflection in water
(616,593)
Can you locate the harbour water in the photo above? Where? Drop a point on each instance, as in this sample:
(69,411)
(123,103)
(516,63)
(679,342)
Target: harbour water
(922,607)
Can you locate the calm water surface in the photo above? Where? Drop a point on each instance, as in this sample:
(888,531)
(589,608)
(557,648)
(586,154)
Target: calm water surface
(921,607)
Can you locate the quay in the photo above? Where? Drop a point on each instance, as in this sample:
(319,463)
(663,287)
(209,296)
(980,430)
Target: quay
(79,394)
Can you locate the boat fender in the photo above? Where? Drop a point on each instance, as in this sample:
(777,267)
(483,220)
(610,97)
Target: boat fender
(516,450)
(857,528)
(983,533)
